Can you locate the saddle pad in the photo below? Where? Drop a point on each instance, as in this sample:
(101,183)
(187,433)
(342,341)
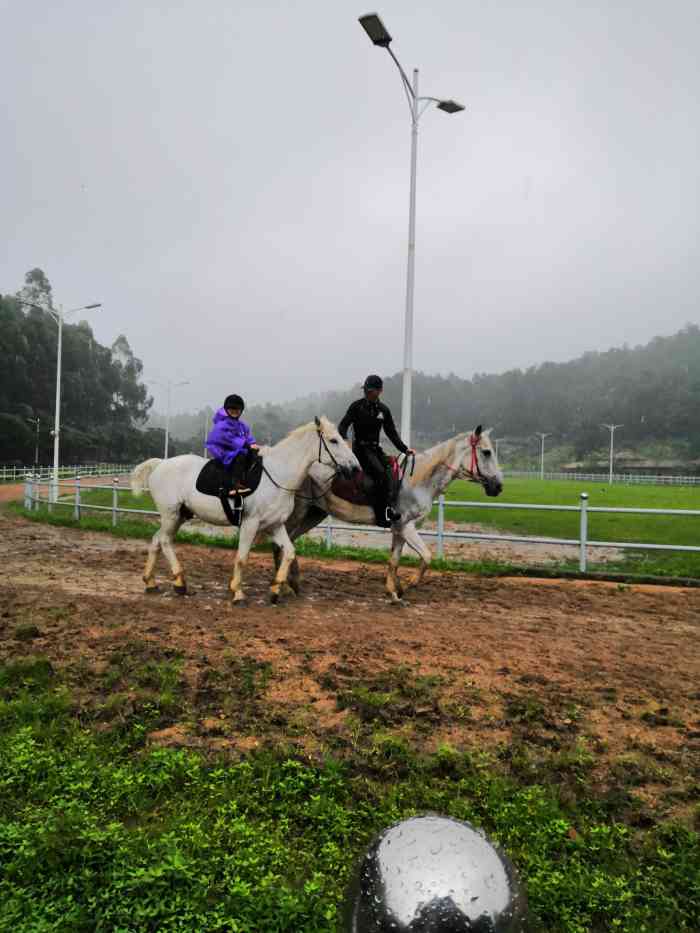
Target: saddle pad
(358,491)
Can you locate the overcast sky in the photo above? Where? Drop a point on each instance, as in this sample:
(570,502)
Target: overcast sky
(231,180)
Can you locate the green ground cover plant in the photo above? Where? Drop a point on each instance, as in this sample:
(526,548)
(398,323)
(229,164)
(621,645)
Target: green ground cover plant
(99,831)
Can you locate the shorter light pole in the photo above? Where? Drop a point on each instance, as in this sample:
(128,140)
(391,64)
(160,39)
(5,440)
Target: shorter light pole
(35,422)
(542,436)
(611,428)
(168,386)
(58,318)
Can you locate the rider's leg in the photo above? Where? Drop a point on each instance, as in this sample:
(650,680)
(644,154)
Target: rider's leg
(372,460)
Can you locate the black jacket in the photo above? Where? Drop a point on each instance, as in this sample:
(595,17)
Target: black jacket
(367,420)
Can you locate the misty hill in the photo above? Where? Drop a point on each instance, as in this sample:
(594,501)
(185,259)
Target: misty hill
(653,390)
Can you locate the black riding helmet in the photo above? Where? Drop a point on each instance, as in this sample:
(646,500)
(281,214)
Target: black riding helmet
(373,382)
(234,401)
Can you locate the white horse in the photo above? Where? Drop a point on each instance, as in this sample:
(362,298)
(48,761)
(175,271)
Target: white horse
(467,456)
(286,467)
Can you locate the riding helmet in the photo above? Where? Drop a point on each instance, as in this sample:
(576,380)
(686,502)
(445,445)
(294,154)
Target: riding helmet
(234,401)
(373,382)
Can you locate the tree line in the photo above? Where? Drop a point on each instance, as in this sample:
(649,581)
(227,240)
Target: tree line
(106,411)
(104,404)
(653,390)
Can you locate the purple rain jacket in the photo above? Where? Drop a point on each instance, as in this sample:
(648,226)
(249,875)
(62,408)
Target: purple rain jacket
(228,437)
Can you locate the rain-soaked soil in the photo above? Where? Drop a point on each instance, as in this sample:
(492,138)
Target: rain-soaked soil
(572,668)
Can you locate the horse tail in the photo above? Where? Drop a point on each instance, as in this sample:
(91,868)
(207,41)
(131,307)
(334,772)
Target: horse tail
(141,474)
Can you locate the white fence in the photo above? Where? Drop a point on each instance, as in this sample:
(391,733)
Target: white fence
(43,474)
(618,478)
(33,499)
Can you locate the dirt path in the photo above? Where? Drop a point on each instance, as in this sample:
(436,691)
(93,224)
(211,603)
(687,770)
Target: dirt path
(490,662)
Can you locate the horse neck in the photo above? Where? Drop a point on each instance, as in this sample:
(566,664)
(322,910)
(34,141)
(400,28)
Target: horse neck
(291,459)
(439,478)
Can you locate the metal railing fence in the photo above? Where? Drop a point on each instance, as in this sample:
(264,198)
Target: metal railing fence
(629,479)
(33,499)
(19,474)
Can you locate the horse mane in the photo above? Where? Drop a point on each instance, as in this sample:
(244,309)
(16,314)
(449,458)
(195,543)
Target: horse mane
(295,433)
(431,459)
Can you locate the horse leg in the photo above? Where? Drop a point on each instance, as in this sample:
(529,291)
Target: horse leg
(393,584)
(414,541)
(314,516)
(149,577)
(246,537)
(281,539)
(167,533)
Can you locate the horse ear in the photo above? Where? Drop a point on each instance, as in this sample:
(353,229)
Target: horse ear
(477,431)
(317,421)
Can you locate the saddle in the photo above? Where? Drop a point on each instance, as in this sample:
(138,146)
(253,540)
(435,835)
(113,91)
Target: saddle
(215,480)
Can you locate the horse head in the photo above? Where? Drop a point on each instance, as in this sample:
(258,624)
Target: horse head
(478,463)
(333,450)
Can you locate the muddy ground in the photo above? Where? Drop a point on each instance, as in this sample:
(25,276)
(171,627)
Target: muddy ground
(596,677)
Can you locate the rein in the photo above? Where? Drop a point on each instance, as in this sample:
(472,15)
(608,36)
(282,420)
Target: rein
(321,444)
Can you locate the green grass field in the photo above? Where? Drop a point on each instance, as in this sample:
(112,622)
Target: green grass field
(651,529)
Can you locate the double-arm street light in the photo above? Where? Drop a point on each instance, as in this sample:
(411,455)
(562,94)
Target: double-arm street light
(168,386)
(58,316)
(377,32)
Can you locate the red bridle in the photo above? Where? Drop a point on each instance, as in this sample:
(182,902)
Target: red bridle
(473,470)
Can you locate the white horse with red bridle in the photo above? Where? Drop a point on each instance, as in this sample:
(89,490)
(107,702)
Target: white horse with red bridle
(469,456)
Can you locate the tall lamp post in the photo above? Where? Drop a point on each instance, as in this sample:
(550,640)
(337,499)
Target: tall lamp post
(542,437)
(377,32)
(611,428)
(58,316)
(168,386)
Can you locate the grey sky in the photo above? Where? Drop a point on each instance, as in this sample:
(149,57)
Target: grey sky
(231,180)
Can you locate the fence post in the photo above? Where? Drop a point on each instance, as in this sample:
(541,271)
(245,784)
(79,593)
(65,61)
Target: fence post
(583,532)
(329,533)
(115,501)
(441,526)
(76,510)
(28,492)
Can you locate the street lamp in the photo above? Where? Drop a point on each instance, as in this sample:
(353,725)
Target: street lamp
(542,437)
(377,32)
(168,386)
(611,428)
(58,316)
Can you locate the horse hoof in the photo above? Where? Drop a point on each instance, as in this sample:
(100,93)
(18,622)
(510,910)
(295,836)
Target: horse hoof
(180,590)
(294,587)
(241,601)
(152,590)
(274,598)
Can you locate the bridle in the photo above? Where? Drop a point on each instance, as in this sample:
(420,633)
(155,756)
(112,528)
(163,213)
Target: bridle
(473,472)
(322,445)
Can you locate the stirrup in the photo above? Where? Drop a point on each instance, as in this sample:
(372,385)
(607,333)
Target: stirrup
(391,515)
